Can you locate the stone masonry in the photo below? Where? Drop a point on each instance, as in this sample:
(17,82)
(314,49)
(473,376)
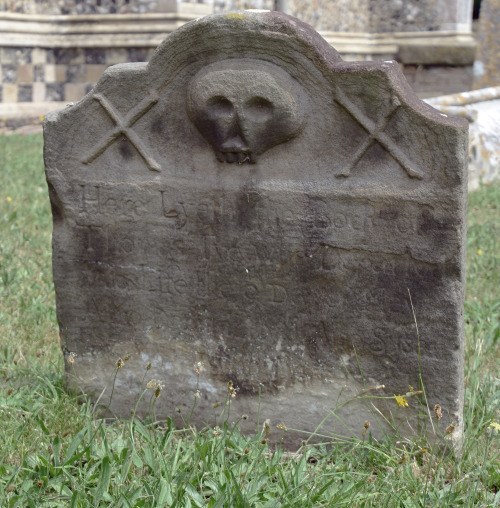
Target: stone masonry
(487,66)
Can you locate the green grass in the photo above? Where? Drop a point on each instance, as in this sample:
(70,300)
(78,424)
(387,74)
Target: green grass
(55,451)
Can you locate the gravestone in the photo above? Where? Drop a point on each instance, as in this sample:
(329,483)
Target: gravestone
(250,201)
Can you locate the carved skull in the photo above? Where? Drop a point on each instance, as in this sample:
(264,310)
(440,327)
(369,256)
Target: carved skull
(243,107)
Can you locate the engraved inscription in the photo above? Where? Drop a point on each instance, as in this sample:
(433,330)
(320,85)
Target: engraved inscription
(395,226)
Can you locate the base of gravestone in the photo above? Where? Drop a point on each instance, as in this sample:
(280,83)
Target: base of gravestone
(123,381)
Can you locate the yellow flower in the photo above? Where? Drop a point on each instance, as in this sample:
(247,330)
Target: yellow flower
(401,401)
(495,425)
(9,199)
(479,251)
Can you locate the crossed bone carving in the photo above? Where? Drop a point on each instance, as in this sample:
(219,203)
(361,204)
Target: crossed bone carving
(376,133)
(123,127)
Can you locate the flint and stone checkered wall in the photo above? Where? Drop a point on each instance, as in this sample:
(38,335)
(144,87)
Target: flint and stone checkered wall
(39,74)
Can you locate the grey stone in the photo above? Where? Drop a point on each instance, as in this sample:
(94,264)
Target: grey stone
(384,16)
(428,54)
(487,66)
(250,201)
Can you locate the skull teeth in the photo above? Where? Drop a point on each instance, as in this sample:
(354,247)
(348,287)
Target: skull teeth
(236,156)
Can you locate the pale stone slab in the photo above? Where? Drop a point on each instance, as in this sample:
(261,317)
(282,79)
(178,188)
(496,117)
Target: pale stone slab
(482,110)
(250,201)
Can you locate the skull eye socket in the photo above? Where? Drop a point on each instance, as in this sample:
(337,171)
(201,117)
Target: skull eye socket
(219,107)
(259,109)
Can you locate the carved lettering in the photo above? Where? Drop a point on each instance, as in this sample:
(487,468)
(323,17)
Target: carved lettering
(94,241)
(376,343)
(173,211)
(90,202)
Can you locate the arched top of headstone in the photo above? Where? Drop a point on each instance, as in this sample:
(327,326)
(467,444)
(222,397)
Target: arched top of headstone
(267,35)
(259,96)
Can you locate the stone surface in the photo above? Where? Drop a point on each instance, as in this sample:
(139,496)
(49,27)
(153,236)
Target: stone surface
(250,201)
(220,6)
(433,80)
(384,16)
(487,65)
(482,110)
(92,7)
(427,53)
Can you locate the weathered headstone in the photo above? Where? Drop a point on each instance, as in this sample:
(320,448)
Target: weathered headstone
(250,201)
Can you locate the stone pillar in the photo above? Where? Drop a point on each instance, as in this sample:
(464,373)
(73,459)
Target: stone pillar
(281,5)
(385,16)
(487,65)
(236,5)
(455,15)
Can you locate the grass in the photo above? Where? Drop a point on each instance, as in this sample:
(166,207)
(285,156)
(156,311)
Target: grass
(56,451)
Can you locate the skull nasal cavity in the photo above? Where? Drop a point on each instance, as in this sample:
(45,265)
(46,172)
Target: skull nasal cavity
(219,106)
